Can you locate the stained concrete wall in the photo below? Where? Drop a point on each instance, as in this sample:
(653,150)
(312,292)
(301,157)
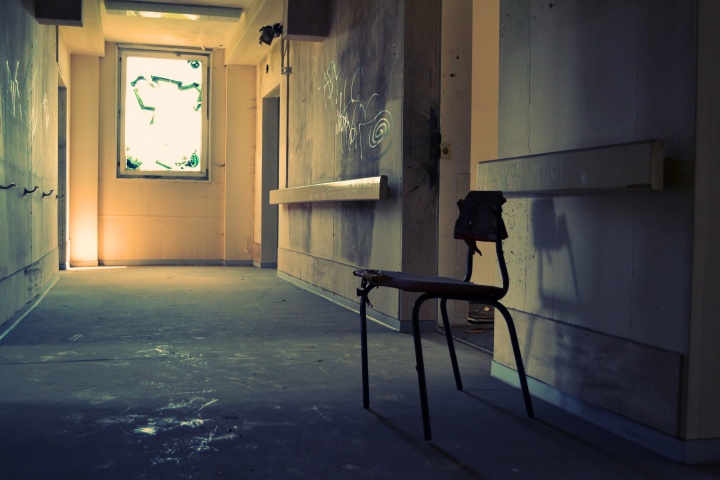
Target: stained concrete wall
(601,282)
(28,158)
(365,102)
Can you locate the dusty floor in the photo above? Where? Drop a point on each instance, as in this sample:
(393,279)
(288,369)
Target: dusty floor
(230,372)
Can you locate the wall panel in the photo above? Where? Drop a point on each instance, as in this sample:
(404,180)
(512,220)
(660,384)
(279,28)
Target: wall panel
(612,269)
(28,157)
(162,221)
(362,103)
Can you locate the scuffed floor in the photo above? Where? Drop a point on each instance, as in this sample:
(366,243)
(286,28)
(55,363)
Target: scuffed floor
(230,372)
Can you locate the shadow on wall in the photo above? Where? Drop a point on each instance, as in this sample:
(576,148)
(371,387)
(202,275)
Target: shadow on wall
(550,240)
(551,256)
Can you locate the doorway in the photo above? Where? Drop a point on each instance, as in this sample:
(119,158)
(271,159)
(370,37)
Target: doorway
(269,181)
(62,212)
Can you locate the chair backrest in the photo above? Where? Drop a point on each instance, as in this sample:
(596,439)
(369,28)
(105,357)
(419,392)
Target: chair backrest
(480,219)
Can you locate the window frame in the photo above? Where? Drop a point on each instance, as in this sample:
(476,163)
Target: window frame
(189,54)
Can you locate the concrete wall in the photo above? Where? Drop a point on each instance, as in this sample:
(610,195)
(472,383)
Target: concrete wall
(376,74)
(421,138)
(239,160)
(601,282)
(702,417)
(456,80)
(83,169)
(28,158)
(484,101)
(469,127)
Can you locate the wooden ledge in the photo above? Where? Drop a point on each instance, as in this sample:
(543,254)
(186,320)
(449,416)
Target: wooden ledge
(617,167)
(371,188)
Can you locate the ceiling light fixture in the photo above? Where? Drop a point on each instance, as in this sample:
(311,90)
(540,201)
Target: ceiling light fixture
(172,10)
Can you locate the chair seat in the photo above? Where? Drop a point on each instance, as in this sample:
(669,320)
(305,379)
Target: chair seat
(440,286)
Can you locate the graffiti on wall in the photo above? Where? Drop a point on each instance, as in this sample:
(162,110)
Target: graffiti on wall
(13,87)
(26,104)
(362,122)
(2,115)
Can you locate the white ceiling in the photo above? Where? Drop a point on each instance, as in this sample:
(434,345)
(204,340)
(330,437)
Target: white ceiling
(239,38)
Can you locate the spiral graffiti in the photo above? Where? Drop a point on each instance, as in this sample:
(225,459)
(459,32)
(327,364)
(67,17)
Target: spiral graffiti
(381,127)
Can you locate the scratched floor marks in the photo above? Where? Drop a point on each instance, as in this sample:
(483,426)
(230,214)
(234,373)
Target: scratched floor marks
(181,373)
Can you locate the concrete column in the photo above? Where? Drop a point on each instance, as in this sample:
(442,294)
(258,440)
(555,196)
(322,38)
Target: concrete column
(83,167)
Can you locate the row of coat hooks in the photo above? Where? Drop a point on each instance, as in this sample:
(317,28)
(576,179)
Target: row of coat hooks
(30,192)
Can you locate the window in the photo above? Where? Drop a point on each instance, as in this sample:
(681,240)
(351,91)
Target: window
(163,124)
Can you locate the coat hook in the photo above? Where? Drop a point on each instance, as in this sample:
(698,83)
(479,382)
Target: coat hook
(59,196)
(9,186)
(30,191)
(47,194)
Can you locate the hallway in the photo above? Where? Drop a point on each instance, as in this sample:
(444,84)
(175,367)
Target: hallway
(230,372)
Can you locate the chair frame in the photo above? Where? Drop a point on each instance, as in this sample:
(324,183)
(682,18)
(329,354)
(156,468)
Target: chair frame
(494,300)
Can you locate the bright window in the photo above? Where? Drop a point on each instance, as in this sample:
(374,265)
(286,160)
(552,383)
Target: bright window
(163,127)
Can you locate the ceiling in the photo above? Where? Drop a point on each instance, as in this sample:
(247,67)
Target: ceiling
(239,37)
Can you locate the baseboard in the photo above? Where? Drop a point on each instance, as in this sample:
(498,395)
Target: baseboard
(264,264)
(170,262)
(689,452)
(12,322)
(84,263)
(238,263)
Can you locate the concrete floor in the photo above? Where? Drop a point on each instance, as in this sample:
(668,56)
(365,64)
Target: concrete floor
(230,372)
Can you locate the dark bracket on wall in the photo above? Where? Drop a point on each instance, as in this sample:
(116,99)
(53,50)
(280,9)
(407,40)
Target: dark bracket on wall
(47,194)
(306,20)
(30,191)
(2,187)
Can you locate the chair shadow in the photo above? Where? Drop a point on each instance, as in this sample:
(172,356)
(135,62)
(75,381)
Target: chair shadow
(416,442)
(554,237)
(508,410)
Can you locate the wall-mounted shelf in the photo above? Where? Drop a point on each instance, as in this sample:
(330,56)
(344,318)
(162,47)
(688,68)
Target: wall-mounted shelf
(616,167)
(371,188)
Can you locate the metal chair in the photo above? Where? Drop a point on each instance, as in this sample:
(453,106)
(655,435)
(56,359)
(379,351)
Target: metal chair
(480,219)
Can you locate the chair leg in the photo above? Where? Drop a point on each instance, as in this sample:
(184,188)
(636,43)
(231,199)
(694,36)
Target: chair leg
(518,358)
(363,350)
(451,344)
(420,367)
